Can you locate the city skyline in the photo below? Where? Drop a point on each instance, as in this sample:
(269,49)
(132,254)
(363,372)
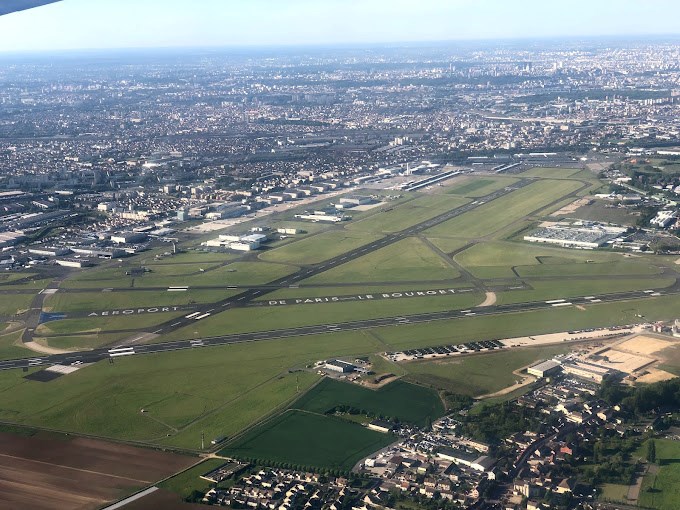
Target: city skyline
(77,24)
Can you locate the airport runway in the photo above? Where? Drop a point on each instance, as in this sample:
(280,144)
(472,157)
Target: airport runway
(403,320)
(304,273)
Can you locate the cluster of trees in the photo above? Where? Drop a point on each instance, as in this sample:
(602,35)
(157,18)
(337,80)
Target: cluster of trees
(494,422)
(355,411)
(298,467)
(642,399)
(455,402)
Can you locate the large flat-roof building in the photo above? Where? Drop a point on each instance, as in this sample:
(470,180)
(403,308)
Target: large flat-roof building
(585,236)
(337,365)
(544,369)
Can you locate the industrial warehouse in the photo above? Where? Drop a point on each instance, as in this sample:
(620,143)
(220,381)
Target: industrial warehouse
(581,235)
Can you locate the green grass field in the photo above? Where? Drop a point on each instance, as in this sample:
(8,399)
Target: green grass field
(10,346)
(317,248)
(406,260)
(496,259)
(480,374)
(290,316)
(553,173)
(614,492)
(448,245)
(350,290)
(81,342)
(480,186)
(100,301)
(603,211)
(309,440)
(188,481)
(11,304)
(528,323)
(622,267)
(219,390)
(662,491)
(572,287)
(236,273)
(97,324)
(407,402)
(390,218)
(493,216)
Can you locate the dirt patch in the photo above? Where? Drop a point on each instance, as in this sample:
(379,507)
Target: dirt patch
(572,208)
(644,345)
(52,474)
(490,299)
(43,349)
(383,382)
(655,375)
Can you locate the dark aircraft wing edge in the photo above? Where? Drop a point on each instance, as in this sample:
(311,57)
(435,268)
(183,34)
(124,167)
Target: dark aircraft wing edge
(9,6)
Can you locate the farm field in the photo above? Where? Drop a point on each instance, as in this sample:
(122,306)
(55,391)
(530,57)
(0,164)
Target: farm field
(309,440)
(52,474)
(399,217)
(480,374)
(493,216)
(317,248)
(407,402)
(406,260)
(664,485)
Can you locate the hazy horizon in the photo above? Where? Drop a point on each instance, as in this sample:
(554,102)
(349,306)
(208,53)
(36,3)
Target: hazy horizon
(76,25)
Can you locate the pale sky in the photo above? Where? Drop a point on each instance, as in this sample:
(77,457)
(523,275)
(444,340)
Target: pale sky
(93,24)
